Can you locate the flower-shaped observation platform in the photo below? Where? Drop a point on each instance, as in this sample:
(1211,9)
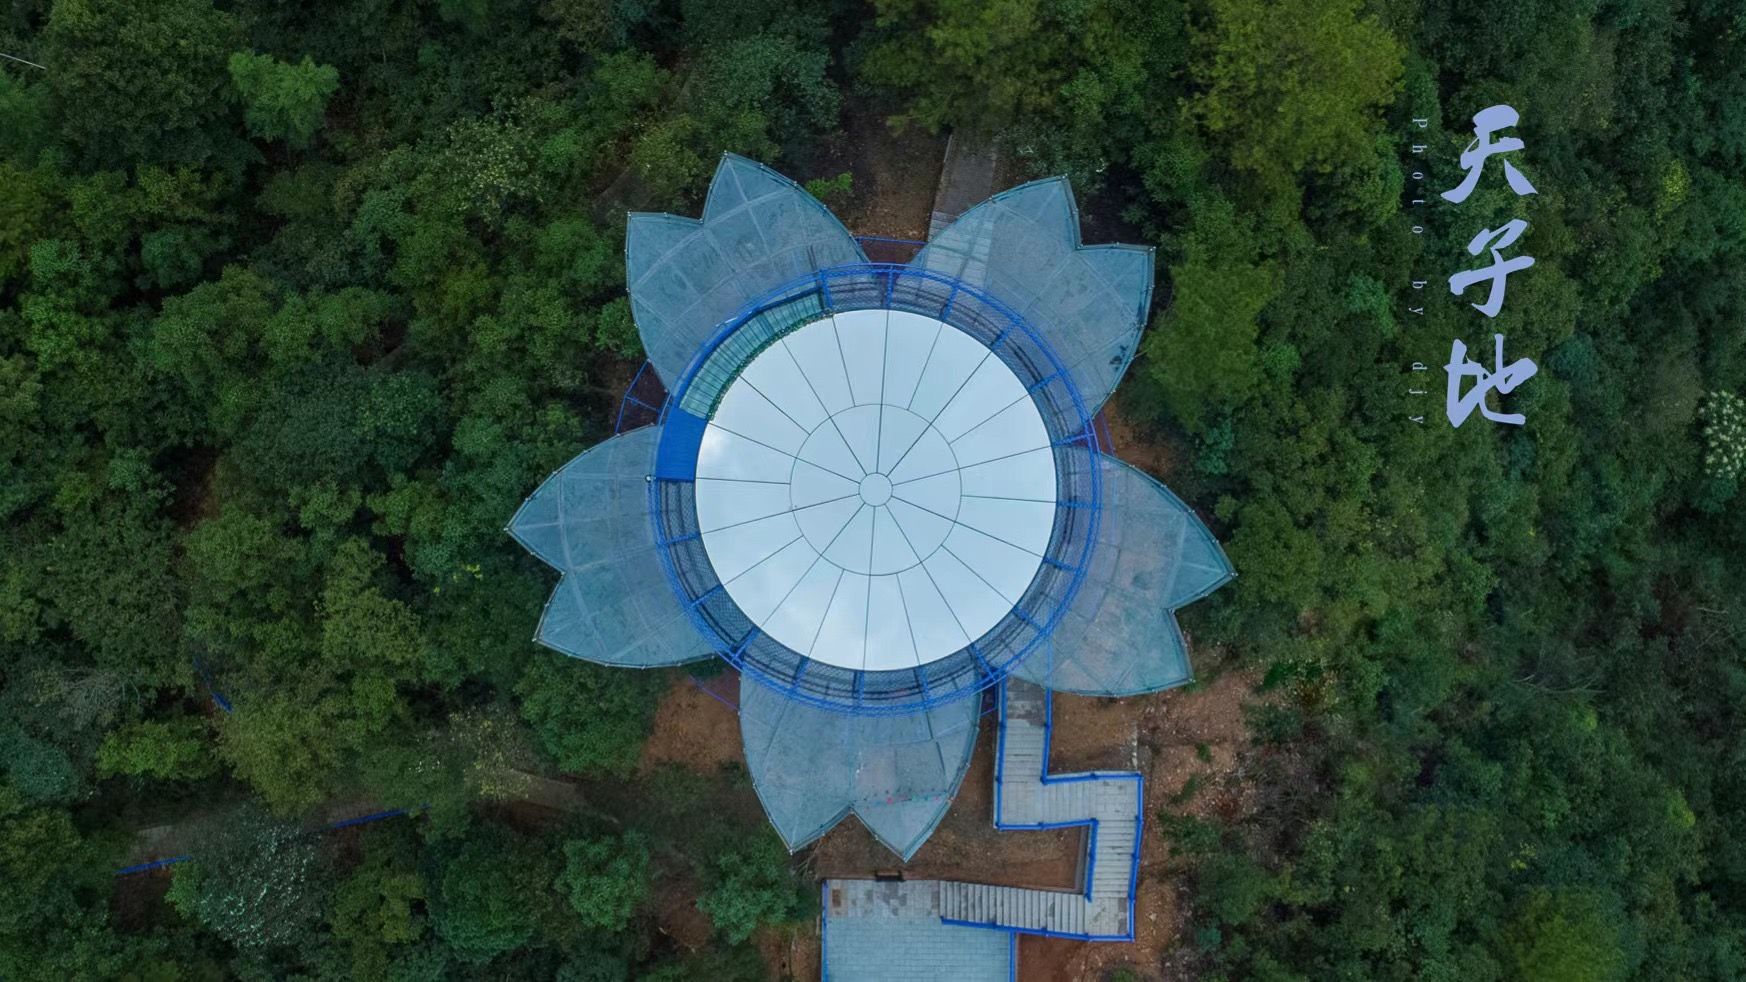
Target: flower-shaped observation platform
(875,489)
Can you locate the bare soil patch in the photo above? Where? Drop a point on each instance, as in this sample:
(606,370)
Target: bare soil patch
(1135,444)
(676,913)
(138,899)
(791,952)
(694,730)
(894,175)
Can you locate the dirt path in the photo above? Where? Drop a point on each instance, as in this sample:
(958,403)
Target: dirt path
(160,842)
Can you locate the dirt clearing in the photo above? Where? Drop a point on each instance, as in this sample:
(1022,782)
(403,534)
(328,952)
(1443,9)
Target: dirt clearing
(693,730)
(894,175)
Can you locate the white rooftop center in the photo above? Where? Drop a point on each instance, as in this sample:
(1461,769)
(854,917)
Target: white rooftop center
(876,490)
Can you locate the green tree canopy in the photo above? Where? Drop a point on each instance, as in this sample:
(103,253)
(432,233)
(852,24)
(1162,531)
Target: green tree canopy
(139,81)
(1294,86)
(283,101)
(749,884)
(606,879)
(256,882)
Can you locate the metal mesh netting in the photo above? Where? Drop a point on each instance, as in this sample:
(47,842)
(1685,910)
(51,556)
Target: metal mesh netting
(1087,302)
(590,521)
(1119,635)
(897,773)
(687,276)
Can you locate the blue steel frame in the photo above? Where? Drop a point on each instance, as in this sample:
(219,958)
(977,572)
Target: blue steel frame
(634,406)
(882,249)
(893,692)
(824,931)
(1090,864)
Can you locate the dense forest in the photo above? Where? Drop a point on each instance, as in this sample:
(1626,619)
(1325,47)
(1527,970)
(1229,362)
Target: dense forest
(298,301)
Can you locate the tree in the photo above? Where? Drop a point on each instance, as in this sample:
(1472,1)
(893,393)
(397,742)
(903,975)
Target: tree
(490,895)
(108,578)
(54,888)
(379,905)
(255,881)
(605,879)
(362,630)
(139,81)
(178,749)
(1564,936)
(283,101)
(1203,353)
(748,885)
(205,339)
(588,719)
(40,771)
(762,95)
(286,746)
(971,64)
(1319,114)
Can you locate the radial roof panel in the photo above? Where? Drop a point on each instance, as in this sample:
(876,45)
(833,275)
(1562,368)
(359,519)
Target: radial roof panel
(830,500)
(812,766)
(1119,636)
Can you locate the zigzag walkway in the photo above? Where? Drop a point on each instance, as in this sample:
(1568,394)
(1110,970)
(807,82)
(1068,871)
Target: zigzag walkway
(1026,796)
(869,924)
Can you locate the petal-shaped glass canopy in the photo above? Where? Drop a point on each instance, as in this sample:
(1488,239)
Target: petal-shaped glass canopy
(837,421)
(1119,636)
(811,766)
(758,231)
(590,521)
(1088,302)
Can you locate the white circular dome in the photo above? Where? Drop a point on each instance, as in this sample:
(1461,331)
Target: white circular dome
(876,490)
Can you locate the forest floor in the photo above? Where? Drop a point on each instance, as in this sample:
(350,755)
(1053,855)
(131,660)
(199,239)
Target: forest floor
(1135,446)
(894,175)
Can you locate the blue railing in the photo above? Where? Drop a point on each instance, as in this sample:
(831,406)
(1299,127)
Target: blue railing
(1091,861)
